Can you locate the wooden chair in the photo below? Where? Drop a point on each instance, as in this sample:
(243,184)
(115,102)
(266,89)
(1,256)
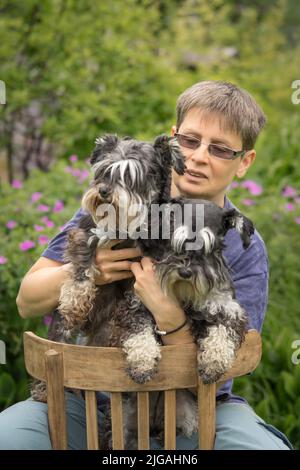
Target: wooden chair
(91,369)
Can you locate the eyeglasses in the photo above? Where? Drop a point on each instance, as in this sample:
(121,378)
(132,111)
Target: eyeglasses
(215,150)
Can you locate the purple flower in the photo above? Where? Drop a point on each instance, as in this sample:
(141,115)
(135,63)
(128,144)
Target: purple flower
(253,188)
(47,320)
(43,240)
(73,158)
(17,184)
(248,202)
(11,224)
(43,208)
(58,206)
(35,196)
(3,260)
(39,228)
(297,220)
(289,191)
(26,245)
(290,207)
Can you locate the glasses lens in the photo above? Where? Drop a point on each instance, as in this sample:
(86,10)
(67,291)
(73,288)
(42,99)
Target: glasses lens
(221,152)
(187,142)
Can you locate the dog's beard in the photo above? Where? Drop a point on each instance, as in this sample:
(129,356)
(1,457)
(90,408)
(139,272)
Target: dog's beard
(186,292)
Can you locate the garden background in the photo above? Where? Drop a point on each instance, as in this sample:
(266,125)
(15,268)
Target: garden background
(75,69)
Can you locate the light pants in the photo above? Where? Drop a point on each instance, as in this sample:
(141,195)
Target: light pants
(25,426)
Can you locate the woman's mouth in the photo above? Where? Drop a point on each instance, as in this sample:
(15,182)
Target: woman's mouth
(194,175)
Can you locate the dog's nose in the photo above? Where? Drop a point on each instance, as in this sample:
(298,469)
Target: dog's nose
(104,190)
(185,273)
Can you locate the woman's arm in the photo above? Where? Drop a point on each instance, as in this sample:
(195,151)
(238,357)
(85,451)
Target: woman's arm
(167,314)
(40,289)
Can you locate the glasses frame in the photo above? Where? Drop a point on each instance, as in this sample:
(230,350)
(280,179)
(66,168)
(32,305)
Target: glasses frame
(236,153)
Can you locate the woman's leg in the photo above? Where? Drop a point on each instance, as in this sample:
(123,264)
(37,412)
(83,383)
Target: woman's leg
(24,426)
(237,428)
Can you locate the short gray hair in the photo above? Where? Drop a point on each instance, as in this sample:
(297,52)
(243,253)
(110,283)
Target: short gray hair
(236,108)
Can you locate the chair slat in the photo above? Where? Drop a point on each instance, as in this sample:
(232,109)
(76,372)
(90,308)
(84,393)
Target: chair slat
(56,399)
(143,421)
(170,419)
(117,420)
(91,420)
(206,415)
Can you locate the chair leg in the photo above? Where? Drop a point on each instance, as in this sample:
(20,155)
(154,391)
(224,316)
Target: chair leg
(206,415)
(56,399)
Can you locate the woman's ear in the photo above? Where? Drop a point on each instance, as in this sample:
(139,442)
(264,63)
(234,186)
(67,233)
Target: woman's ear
(245,163)
(173,130)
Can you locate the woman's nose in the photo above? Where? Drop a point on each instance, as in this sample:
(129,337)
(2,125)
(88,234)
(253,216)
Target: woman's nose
(201,154)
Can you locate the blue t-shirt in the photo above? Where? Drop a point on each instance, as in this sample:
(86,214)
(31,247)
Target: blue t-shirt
(249,271)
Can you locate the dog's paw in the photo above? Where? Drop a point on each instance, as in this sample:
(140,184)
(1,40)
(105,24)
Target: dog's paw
(140,375)
(211,373)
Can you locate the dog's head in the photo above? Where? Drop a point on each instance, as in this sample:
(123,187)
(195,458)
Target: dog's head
(129,172)
(192,263)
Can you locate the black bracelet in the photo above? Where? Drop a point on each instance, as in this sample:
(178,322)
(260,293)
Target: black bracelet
(164,333)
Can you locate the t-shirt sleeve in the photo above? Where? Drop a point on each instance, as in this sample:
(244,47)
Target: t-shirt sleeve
(250,275)
(56,247)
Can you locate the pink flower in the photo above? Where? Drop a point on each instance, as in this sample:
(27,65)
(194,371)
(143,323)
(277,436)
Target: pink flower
(3,260)
(253,188)
(290,207)
(289,191)
(43,208)
(68,169)
(11,224)
(48,222)
(39,228)
(73,158)
(26,245)
(62,227)
(17,184)
(297,220)
(58,206)
(83,176)
(75,172)
(43,240)
(234,185)
(35,196)
(248,202)
(47,320)
(297,200)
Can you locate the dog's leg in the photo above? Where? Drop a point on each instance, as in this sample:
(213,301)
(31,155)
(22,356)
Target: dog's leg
(138,339)
(221,335)
(78,292)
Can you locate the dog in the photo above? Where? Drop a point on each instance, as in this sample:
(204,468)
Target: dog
(129,175)
(190,269)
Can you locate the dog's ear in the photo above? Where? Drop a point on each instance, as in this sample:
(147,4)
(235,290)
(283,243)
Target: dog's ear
(104,144)
(170,153)
(234,219)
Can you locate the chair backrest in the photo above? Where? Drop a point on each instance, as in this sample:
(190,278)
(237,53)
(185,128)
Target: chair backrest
(103,369)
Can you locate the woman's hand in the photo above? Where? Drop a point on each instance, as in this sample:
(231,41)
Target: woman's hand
(166,311)
(114,265)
